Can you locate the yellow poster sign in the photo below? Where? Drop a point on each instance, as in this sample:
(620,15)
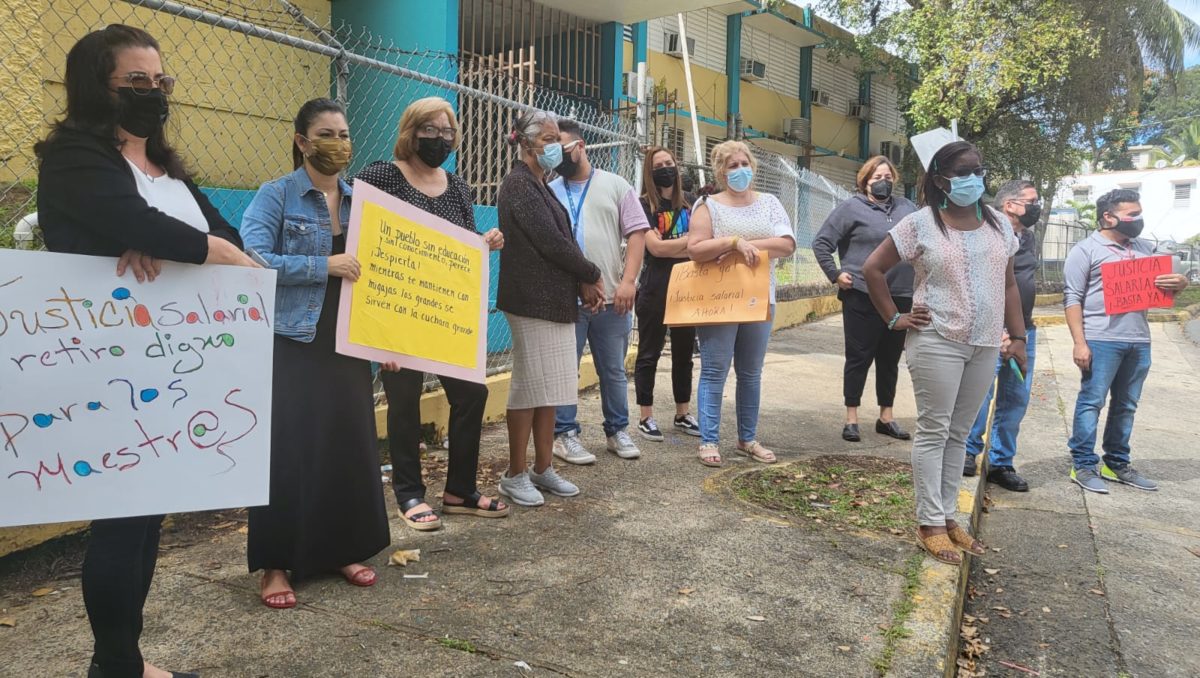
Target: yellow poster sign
(719,293)
(421,299)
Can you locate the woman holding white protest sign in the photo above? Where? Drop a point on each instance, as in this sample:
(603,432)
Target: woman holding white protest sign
(327,512)
(741,222)
(109,184)
(428,135)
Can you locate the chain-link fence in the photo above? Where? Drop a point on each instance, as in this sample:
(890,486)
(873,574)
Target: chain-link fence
(245,67)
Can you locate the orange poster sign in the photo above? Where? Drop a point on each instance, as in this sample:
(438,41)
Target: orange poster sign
(719,293)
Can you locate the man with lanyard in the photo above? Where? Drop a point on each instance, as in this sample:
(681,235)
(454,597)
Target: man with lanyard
(1018,200)
(604,211)
(1112,351)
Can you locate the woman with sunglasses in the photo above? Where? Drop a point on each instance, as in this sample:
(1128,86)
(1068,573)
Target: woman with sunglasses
(964,296)
(428,135)
(327,512)
(669,210)
(110,184)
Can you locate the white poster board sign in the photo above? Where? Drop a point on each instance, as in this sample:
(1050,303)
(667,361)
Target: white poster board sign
(120,398)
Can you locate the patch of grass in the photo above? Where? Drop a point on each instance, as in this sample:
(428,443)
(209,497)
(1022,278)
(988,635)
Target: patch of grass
(1187,297)
(16,200)
(870,493)
(457,644)
(902,609)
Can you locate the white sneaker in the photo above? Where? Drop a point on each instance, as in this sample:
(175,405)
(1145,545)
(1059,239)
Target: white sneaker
(622,445)
(570,449)
(553,483)
(520,490)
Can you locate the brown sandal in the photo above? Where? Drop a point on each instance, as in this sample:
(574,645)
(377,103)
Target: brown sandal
(938,544)
(963,540)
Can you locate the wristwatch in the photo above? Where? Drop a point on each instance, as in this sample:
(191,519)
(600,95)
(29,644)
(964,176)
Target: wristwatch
(1020,338)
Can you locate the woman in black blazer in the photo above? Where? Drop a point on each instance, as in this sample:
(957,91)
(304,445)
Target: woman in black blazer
(91,200)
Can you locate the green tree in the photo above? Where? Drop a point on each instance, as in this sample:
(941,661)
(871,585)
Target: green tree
(1182,150)
(1086,212)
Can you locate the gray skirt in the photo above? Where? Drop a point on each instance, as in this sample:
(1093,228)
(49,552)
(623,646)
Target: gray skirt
(545,370)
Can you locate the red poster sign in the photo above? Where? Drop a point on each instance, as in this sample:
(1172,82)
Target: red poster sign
(1129,285)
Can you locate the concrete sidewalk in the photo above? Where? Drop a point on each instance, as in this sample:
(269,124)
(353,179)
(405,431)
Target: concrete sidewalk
(1098,585)
(591,586)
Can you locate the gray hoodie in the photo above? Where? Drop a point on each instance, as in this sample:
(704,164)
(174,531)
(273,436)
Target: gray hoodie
(854,229)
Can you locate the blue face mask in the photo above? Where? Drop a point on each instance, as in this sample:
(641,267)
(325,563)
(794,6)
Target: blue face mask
(739,179)
(965,191)
(551,156)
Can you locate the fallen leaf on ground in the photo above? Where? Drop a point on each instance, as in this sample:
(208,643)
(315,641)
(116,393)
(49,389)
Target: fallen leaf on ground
(244,529)
(843,648)
(1096,591)
(404,557)
(223,526)
(42,592)
(1046,610)
(1062,546)
(686,592)
(991,570)
(8,621)
(757,618)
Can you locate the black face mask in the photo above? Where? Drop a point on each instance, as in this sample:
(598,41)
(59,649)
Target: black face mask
(664,177)
(568,168)
(882,189)
(141,114)
(1033,214)
(1131,229)
(433,152)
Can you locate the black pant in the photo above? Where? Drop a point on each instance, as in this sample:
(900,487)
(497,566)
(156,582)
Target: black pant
(868,340)
(467,402)
(117,572)
(652,336)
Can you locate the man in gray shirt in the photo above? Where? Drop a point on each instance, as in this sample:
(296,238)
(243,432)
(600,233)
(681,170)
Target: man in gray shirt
(1019,201)
(1112,351)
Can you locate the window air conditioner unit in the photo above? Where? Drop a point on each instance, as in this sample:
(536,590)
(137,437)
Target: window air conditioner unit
(892,151)
(675,49)
(752,70)
(798,130)
(820,98)
(629,78)
(860,109)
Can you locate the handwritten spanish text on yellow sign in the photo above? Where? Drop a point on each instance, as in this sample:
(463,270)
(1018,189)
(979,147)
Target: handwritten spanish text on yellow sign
(421,291)
(719,293)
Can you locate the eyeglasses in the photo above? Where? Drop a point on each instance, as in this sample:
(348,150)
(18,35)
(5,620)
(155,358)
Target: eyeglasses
(431,131)
(966,172)
(142,83)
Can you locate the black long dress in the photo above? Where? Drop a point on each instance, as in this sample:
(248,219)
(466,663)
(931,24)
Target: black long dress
(327,509)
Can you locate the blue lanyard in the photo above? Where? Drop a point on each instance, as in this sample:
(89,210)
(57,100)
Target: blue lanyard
(577,210)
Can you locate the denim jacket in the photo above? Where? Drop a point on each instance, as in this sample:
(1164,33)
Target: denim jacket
(288,224)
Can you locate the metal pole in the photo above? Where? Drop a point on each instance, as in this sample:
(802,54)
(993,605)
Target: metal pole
(687,76)
(343,69)
(246,28)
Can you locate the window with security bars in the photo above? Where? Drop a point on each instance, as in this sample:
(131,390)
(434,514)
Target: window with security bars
(1081,194)
(1183,195)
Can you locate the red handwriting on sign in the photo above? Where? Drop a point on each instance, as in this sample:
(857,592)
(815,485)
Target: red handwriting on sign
(1129,285)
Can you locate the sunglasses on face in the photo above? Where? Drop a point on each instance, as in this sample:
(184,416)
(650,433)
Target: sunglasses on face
(142,83)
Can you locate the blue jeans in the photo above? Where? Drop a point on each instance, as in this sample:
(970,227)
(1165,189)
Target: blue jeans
(1119,368)
(744,345)
(1012,399)
(608,335)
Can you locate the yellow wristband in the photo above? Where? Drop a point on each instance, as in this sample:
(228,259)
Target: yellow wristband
(733,245)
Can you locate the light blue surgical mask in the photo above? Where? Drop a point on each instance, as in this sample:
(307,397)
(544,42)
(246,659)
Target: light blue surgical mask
(965,191)
(739,179)
(551,156)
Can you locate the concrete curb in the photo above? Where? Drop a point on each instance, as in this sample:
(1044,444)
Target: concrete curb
(1164,317)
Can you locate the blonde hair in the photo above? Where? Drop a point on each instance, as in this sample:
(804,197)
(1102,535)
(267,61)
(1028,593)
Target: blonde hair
(721,154)
(418,114)
(870,167)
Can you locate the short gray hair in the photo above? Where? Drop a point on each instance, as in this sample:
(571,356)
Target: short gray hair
(529,124)
(1009,190)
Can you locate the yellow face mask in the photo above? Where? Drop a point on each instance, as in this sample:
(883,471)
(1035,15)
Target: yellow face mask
(329,155)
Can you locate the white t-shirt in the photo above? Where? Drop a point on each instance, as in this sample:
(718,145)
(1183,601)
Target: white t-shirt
(171,197)
(764,218)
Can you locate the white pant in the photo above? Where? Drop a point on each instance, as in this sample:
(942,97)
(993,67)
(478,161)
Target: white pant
(950,381)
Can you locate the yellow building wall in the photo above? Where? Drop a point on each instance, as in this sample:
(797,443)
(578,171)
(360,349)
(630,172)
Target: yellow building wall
(834,131)
(712,100)
(233,106)
(765,109)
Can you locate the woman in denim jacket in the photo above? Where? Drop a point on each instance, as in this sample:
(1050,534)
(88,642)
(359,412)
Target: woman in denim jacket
(327,511)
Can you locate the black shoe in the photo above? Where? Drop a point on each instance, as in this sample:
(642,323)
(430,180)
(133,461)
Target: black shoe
(850,433)
(94,672)
(970,467)
(1006,477)
(648,429)
(891,429)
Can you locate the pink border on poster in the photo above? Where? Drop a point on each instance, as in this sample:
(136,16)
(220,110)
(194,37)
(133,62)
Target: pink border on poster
(364,192)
